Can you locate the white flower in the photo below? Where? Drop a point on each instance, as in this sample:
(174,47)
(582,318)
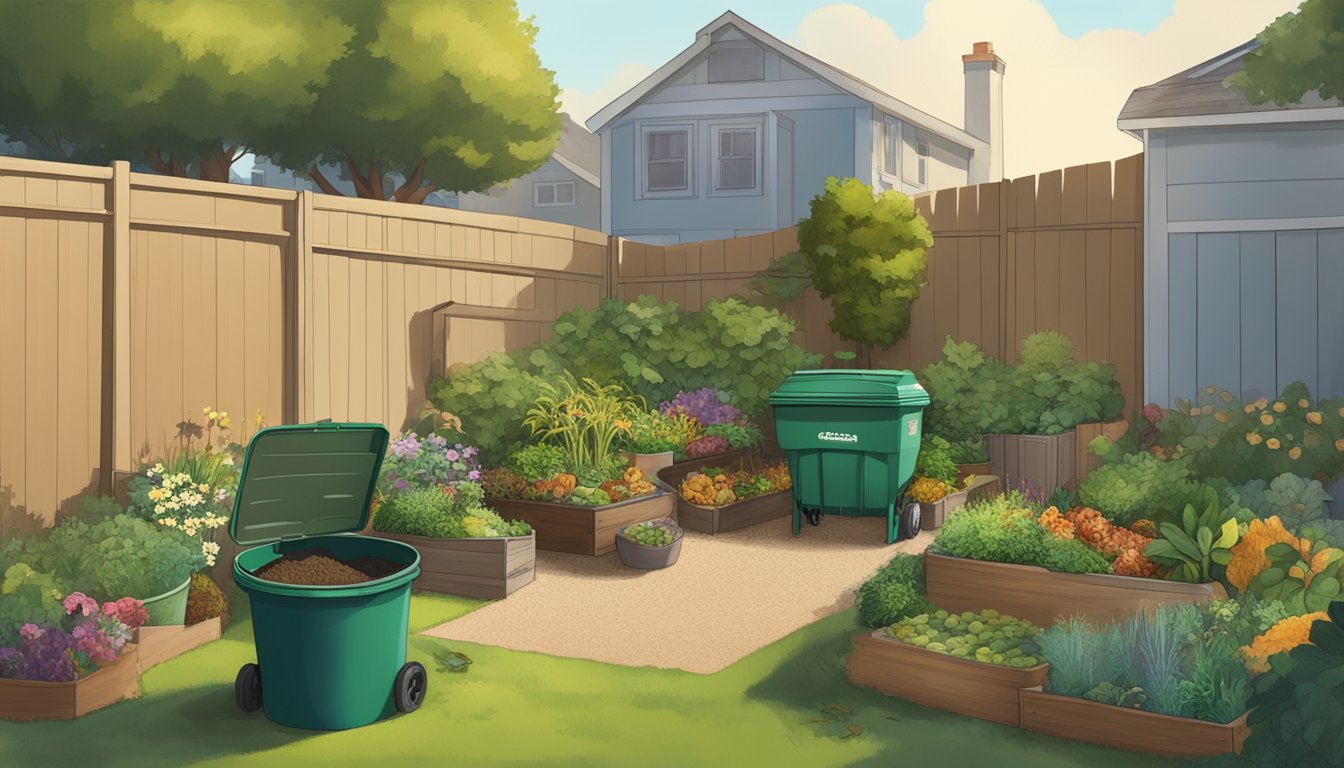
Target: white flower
(228,461)
(210,547)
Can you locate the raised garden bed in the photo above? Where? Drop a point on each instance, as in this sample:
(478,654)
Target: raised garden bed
(932,516)
(583,530)
(967,687)
(489,568)
(978,469)
(1039,462)
(680,469)
(26,700)
(1082,720)
(739,514)
(959,584)
(159,644)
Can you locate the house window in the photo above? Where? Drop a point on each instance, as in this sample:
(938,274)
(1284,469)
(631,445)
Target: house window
(922,153)
(736,64)
(736,167)
(546,194)
(891,144)
(667,155)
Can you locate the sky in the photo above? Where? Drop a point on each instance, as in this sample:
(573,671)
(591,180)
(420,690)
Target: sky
(1071,64)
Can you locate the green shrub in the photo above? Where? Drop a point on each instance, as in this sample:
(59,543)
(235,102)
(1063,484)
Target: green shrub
(1004,530)
(969,451)
(969,393)
(538,462)
(432,512)
(28,596)
(1083,657)
(134,558)
(1140,485)
(1295,717)
(893,593)
(1297,501)
(746,435)
(935,460)
(649,346)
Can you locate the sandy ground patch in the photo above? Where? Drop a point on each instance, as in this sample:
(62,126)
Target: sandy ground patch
(727,596)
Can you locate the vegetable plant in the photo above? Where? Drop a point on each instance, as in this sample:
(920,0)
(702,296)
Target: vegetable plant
(584,419)
(741,434)
(1296,717)
(1192,550)
(895,592)
(653,533)
(935,460)
(656,432)
(1139,485)
(448,512)
(540,461)
(1005,530)
(985,636)
(131,557)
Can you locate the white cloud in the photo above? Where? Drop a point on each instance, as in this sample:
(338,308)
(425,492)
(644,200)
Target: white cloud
(1061,95)
(582,106)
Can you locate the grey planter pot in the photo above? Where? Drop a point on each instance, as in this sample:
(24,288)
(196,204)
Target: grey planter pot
(637,555)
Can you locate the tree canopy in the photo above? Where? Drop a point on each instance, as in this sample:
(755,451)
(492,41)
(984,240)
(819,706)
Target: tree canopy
(1299,53)
(449,93)
(865,254)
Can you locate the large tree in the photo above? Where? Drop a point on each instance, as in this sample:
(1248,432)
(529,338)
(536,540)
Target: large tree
(183,84)
(1299,53)
(450,94)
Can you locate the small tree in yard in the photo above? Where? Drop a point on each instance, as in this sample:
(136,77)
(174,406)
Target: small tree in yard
(866,255)
(1299,53)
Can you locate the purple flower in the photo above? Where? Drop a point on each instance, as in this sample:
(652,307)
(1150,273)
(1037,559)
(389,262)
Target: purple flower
(402,485)
(11,664)
(469,451)
(704,405)
(474,475)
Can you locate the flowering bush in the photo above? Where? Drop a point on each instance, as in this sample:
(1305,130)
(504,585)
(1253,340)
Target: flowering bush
(705,405)
(88,637)
(658,431)
(1280,638)
(415,462)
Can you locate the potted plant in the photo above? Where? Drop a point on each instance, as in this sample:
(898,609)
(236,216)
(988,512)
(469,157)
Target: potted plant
(655,437)
(153,564)
(74,657)
(465,547)
(649,545)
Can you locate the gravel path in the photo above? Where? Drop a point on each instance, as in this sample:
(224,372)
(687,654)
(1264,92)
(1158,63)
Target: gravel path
(727,596)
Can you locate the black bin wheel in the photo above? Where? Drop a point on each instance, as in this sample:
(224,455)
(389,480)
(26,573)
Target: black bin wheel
(910,519)
(247,688)
(813,516)
(409,689)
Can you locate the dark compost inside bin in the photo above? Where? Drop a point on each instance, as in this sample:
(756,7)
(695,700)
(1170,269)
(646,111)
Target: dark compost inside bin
(318,566)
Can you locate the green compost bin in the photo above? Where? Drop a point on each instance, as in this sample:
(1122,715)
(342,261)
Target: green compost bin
(851,438)
(328,657)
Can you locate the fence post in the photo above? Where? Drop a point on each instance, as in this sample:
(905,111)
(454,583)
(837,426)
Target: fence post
(297,362)
(614,245)
(117,333)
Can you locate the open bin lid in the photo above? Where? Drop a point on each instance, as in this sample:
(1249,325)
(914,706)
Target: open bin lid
(307,480)
(850,387)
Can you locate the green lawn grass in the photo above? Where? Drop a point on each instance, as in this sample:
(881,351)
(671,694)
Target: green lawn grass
(522,709)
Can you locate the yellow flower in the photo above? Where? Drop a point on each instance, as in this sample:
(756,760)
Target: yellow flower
(1303,403)
(1339,445)
(206,410)
(224,423)
(1261,403)
(1280,407)
(1227,397)
(1295,453)
(1266,419)
(204,488)
(1254,438)
(1221,417)
(1272,443)
(1341,412)
(1314,417)
(1210,390)
(213,415)
(1250,408)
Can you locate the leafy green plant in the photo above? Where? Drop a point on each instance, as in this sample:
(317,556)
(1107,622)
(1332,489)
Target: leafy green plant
(1117,696)
(1192,549)
(1082,656)
(1297,501)
(1139,485)
(893,593)
(969,394)
(456,512)
(1218,687)
(1005,530)
(743,435)
(492,396)
(1296,717)
(935,460)
(538,462)
(585,419)
(652,432)
(969,451)
(1054,393)
(27,596)
(1306,578)
(984,636)
(129,557)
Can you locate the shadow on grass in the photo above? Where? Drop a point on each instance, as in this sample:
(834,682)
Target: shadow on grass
(811,686)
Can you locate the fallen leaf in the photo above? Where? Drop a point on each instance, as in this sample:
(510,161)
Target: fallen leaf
(856,729)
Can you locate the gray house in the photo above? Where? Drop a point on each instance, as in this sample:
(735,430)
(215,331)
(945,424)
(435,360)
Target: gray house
(738,133)
(567,189)
(1244,228)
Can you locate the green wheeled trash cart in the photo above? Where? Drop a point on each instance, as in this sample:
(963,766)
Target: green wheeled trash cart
(851,438)
(328,657)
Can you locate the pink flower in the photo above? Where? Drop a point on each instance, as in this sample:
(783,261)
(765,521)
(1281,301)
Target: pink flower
(131,612)
(78,600)
(31,631)
(452,455)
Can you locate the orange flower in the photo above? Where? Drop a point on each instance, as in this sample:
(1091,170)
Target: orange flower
(1314,418)
(1303,403)
(1248,555)
(1280,407)
(1249,408)
(1266,419)
(1339,445)
(1295,453)
(1254,439)
(1221,417)
(1284,636)
(1272,443)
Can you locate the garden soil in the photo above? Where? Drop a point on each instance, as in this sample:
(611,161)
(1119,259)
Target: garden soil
(728,595)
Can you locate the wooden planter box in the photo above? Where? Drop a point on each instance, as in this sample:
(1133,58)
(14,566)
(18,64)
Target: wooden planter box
(727,459)
(583,530)
(739,514)
(1041,462)
(159,644)
(26,700)
(1097,723)
(492,568)
(977,469)
(967,687)
(932,516)
(958,584)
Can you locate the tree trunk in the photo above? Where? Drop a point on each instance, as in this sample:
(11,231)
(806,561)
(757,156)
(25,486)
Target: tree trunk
(216,165)
(414,190)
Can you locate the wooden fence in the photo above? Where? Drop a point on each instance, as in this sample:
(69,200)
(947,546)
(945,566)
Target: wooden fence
(128,302)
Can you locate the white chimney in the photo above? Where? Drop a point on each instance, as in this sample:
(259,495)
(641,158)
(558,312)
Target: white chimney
(984,110)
